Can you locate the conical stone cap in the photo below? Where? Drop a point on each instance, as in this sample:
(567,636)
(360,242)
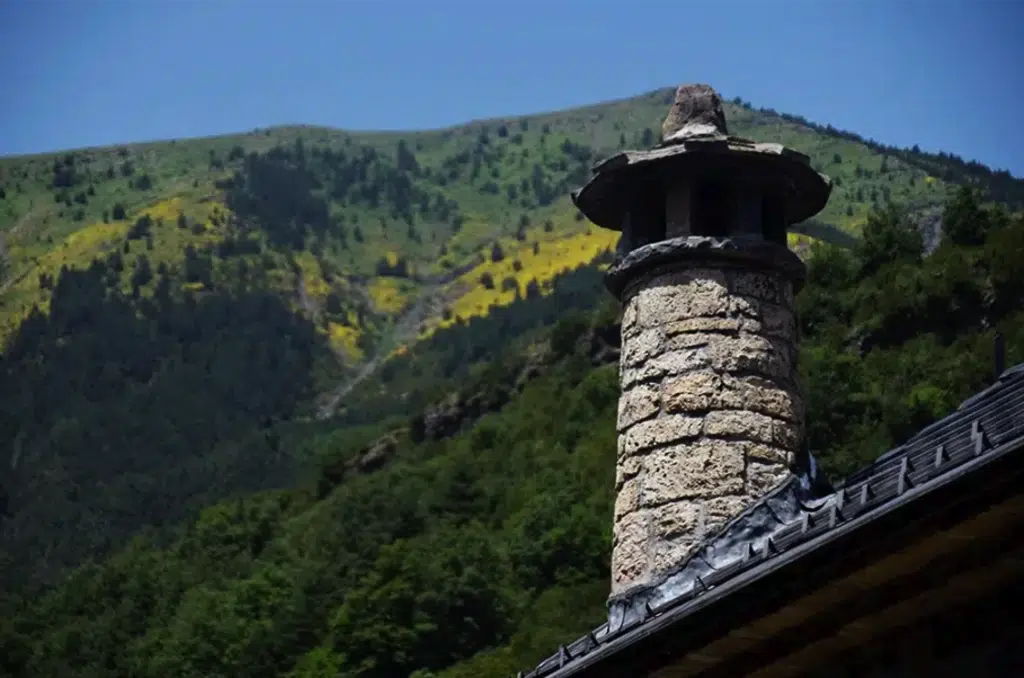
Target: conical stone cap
(696,112)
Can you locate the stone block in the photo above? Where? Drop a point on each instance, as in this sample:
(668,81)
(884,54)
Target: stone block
(638,403)
(720,510)
(644,345)
(626,468)
(760,395)
(717,324)
(694,392)
(663,430)
(787,434)
(628,498)
(696,517)
(679,528)
(676,518)
(667,364)
(751,353)
(763,477)
(659,305)
(705,468)
(753,426)
(629,552)
(740,424)
(681,342)
(670,553)
(770,454)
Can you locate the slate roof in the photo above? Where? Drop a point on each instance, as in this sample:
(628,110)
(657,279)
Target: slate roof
(986,426)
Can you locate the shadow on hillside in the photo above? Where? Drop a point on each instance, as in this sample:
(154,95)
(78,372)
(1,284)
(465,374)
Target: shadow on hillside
(120,413)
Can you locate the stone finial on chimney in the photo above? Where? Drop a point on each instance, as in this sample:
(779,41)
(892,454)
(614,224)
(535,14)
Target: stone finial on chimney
(710,414)
(696,111)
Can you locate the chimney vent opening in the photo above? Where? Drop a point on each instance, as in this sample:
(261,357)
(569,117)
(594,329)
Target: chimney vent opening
(646,219)
(773,218)
(711,215)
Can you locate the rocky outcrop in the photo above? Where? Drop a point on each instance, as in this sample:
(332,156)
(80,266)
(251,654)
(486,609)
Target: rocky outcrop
(534,364)
(710,417)
(367,459)
(461,409)
(602,344)
(929,223)
(441,420)
(377,453)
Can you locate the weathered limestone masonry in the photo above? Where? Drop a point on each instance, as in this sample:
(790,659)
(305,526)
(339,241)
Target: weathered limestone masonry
(710,416)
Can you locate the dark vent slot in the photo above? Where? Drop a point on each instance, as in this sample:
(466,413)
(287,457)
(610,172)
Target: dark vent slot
(647,213)
(711,209)
(773,219)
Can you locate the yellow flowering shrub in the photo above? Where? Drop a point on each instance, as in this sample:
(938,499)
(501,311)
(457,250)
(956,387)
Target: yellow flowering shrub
(470,297)
(389,295)
(344,339)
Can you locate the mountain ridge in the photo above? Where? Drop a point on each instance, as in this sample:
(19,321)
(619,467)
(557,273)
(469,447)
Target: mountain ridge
(571,115)
(506,118)
(121,269)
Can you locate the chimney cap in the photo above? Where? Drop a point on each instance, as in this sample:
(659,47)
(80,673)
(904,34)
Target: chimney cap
(695,133)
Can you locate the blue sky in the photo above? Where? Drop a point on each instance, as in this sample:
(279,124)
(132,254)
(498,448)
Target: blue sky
(939,73)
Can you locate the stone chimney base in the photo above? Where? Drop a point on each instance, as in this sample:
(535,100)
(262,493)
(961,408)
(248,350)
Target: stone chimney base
(710,417)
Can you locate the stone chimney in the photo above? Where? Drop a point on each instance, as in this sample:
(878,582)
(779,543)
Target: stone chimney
(710,414)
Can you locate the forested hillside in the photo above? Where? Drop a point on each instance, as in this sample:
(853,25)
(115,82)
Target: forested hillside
(168,308)
(474,548)
(266,357)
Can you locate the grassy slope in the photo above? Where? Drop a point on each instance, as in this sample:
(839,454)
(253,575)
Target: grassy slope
(42,231)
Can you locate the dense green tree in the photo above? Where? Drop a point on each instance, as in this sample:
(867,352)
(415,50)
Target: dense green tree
(1004,254)
(425,604)
(889,237)
(143,272)
(964,220)
(497,253)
